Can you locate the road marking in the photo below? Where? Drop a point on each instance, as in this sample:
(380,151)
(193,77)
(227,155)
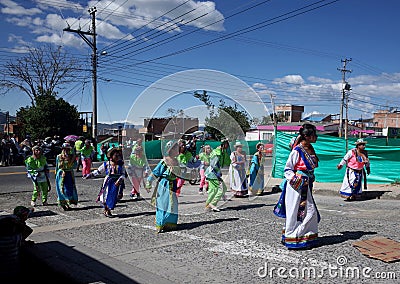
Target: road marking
(12,173)
(244,247)
(247,248)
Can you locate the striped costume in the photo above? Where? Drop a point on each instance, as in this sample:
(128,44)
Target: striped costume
(297,203)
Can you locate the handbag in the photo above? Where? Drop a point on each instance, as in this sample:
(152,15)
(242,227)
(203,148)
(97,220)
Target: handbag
(280,208)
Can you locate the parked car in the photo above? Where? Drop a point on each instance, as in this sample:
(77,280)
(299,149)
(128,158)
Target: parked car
(268,148)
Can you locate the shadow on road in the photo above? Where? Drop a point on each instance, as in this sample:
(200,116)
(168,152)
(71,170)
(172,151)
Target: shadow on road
(36,214)
(246,207)
(372,194)
(190,226)
(192,202)
(149,213)
(58,255)
(343,237)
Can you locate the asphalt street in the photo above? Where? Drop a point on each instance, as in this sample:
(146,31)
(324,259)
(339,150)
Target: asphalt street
(240,244)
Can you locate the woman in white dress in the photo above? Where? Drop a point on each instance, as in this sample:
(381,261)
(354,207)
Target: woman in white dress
(355,159)
(296,203)
(237,171)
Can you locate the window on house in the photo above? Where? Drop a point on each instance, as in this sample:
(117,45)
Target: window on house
(287,115)
(267,136)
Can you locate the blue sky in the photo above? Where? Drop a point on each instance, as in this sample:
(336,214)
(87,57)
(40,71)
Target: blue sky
(289,49)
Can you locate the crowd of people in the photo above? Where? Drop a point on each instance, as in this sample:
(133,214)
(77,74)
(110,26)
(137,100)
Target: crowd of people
(14,153)
(245,178)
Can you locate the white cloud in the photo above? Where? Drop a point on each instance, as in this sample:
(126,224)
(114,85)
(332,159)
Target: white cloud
(320,80)
(16,39)
(12,8)
(111,32)
(311,113)
(21,22)
(290,79)
(153,14)
(259,86)
(60,4)
(56,39)
(114,19)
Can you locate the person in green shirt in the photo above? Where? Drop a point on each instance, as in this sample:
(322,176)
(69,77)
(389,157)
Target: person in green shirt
(87,152)
(204,157)
(217,187)
(78,146)
(38,170)
(183,158)
(138,168)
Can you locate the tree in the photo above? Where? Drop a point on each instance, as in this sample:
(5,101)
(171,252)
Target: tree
(50,116)
(41,71)
(205,98)
(267,120)
(227,121)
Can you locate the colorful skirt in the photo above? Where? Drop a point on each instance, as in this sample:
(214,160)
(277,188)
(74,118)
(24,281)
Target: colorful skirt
(302,217)
(66,189)
(352,183)
(257,181)
(238,181)
(108,195)
(166,205)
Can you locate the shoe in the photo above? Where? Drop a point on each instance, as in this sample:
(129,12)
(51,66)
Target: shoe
(132,196)
(108,214)
(77,171)
(138,197)
(213,207)
(201,191)
(33,203)
(45,203)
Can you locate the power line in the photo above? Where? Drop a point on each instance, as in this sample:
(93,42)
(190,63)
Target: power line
(152,21)
(175,37)
(251,28)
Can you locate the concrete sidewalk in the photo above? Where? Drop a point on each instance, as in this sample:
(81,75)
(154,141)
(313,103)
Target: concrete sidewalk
(59,246)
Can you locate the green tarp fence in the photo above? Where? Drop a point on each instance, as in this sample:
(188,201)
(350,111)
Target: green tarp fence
(385,160)
(113,144)
(153,148)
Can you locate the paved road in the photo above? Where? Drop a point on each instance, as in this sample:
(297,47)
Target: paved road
(240,244)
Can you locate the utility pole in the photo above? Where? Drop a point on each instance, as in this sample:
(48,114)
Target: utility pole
(345,86)
(275,121)
(8,122)
(92,11)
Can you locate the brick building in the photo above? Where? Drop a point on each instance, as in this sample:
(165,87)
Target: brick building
(289,113)
(387,118)
(170,127)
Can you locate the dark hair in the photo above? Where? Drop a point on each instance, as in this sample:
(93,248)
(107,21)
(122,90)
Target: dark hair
(307,130)
(224,141)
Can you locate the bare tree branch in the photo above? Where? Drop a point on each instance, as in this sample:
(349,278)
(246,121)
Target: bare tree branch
(39,72)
